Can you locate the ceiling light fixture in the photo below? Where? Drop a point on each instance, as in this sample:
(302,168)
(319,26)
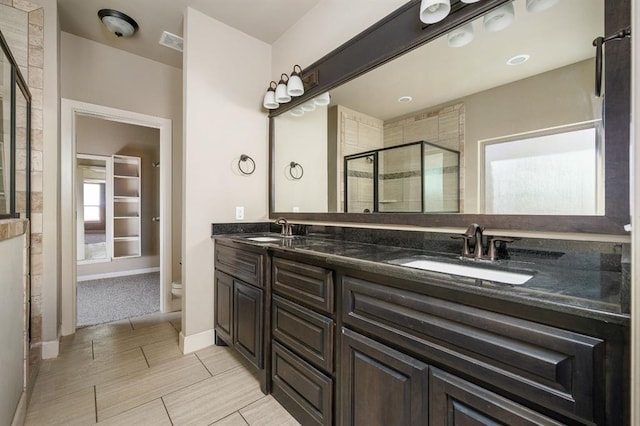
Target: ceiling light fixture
(518,59)
(405,99)
(118,23)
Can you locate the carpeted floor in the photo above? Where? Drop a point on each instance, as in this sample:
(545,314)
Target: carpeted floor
(112,299)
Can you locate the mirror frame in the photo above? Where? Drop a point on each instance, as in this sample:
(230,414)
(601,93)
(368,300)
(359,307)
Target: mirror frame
(402,31)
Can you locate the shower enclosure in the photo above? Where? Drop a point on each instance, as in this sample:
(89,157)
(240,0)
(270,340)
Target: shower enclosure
(413,177)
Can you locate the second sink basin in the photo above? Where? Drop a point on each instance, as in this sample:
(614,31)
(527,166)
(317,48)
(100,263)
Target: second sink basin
(481,273)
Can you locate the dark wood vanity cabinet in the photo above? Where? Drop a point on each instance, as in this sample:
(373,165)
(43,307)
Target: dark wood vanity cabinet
(303,373)
(240,299)
(486,367)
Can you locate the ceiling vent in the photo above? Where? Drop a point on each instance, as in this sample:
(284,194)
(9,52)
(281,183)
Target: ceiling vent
(171,41)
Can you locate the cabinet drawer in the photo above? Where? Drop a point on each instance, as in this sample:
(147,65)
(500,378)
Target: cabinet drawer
(304,391)
(307,284)
(308,333)
(453,401)
(532,363)
(242,264)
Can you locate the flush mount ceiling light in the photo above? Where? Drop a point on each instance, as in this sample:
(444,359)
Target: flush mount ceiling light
(118,23)
(405,99)
(518,59)
(500,18)
(540,5)
(432,11)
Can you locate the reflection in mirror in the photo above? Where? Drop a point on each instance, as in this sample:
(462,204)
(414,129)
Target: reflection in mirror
(93,222)
(509,102)
(5,134)
(22,153)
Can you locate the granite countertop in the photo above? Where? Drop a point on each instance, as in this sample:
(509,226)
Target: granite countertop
(560,282)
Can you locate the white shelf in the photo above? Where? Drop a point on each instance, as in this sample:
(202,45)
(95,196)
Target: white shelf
(126,207)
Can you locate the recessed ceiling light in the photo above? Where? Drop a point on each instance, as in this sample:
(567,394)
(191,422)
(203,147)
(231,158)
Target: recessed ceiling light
(405,99)
(518,59)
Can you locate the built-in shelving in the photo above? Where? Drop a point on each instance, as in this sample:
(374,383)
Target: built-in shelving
(126,207)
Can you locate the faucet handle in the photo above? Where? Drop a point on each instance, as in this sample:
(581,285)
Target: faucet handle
(493,249)
(466,250)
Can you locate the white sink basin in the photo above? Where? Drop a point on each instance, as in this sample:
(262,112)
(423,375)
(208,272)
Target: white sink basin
(263,239)
(505,277)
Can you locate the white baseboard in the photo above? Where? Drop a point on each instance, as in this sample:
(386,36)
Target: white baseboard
(21,411)
(50,349)
(195,342)
(117,274)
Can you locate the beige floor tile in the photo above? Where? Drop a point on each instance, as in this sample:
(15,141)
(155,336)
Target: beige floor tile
(234,419)
(133,339)
(155,318)
(70,378)
(213,399)
(85,335)
(77,408)
(267,412)
(219,359)
(162,351)
(66,361)
(128,392)
(150,414)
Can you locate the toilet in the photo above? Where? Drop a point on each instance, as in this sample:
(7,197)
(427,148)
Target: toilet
(176,289)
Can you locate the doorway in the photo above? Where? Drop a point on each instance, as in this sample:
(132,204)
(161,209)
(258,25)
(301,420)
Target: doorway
(74,112)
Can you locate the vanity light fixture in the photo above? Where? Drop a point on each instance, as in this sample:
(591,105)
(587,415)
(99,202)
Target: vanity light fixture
(270,97)
(298,112)
(282,96)
(461,36)
(500,18)
(540,5)
(432,11)
(323,99)
(518,59)
(309,106)
(405,99)
(118,23)
(294,85)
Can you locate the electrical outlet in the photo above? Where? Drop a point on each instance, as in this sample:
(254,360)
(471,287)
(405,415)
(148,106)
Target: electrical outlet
(239,212)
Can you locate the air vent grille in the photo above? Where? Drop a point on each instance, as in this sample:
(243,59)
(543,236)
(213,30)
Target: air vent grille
(171,41)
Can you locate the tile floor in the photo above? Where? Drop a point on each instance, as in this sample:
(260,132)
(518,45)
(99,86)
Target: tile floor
(132,372)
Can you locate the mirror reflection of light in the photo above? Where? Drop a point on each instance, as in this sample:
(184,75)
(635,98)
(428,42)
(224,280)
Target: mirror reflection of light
(405,99)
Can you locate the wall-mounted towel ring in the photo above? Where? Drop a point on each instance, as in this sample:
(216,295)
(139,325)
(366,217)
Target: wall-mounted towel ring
(295,170)
(250,165)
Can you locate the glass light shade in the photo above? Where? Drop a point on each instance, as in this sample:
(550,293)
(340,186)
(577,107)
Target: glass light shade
(432,11)
(323,99)
(500,18)
(298,112)
(309,106)
(540,5)
(117,22)
(461,36)
(295,87)
(270,100)
(281,91)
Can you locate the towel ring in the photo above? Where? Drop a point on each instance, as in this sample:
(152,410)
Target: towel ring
(293,166)
(252,164)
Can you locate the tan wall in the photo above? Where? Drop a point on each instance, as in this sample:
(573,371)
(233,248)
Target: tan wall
(226,73)
(95,73)
(102,137)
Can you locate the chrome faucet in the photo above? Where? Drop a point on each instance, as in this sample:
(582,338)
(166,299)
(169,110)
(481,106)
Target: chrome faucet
(286,227)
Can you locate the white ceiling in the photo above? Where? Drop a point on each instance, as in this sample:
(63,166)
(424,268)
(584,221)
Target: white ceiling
(265,20)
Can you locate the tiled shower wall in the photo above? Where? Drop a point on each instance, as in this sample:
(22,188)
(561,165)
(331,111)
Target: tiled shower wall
(30,18)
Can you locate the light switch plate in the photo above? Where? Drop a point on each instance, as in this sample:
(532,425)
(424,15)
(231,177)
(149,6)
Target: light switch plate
(239,212)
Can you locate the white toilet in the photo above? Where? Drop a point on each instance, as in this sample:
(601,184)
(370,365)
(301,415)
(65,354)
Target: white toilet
(176,289)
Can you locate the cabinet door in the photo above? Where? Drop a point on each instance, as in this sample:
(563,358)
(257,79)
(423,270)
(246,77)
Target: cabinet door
(247,322)
(379,385)
(223,293)
(456,402)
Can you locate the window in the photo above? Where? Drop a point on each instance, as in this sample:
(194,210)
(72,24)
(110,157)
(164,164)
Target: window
(92,204)
(558,174)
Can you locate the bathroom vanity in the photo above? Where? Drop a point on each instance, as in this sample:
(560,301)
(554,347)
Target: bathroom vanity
(356,339)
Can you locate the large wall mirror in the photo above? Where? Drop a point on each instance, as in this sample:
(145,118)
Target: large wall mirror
(492,118)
